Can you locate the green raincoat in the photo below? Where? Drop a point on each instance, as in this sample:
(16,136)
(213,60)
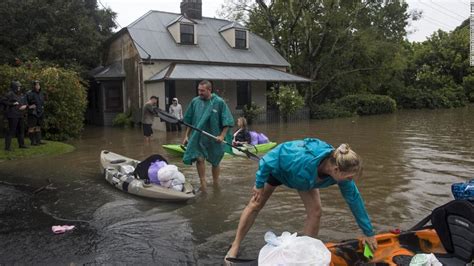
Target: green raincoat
(211,116)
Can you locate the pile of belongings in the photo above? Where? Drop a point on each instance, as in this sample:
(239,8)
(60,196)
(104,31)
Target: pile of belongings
(166,175)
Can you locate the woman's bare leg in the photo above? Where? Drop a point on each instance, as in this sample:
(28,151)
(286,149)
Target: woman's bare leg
(247,218)
(312,204)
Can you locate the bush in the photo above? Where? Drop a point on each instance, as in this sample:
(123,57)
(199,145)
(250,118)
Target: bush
(66,101)
(446,97)
(251,112)
(288,100)
(468,84)
(124,120)
(367,104)
(328,111)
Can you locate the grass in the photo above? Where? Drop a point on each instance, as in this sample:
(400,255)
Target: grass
(50,148)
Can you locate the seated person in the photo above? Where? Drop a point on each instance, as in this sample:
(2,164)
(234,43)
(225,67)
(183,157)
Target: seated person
(242,135)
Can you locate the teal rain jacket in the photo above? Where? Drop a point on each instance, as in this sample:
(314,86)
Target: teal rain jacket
(211,116)
(295,164)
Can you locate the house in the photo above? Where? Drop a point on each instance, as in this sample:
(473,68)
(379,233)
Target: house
(167,54)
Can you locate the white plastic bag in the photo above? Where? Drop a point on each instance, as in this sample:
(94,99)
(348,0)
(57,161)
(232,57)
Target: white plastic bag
(425,260)
(290,249)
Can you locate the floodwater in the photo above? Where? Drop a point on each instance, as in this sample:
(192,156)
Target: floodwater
(411,158)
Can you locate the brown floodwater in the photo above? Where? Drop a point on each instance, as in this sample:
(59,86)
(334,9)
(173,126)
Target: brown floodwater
(411,158)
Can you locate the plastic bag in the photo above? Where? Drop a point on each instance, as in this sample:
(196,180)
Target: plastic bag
(153,171)
(253,137)
(262,139)
(171,177)
(289,249)
(463,190)
(425,260)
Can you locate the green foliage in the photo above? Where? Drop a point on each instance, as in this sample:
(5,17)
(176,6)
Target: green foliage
(69,33)
(468,84)
(288,100)
(329,110)
(346,47)
(367,104)
(251,112)
(124,120)
(66,101)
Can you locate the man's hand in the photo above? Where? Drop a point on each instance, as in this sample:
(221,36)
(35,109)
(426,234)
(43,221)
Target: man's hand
(23,107)
(371,241)
(33,106)
(220,138)
(257,193)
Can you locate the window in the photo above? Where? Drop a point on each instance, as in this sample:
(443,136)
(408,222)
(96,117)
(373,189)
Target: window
(187,33)
(240,39)
(243,94)
(113,99)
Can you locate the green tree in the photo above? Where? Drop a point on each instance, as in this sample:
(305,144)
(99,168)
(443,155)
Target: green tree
(346,47)
(288,100)
(66,96)
(69,33)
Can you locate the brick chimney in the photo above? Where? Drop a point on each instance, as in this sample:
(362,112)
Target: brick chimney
(192,9)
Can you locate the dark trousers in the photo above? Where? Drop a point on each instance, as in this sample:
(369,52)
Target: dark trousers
(16,126)
(175,126)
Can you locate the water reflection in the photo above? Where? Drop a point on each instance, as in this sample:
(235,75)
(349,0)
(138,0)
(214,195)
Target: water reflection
(411,158)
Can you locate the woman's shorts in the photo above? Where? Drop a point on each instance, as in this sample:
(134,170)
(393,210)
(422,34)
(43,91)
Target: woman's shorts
(147,130)
(273,181)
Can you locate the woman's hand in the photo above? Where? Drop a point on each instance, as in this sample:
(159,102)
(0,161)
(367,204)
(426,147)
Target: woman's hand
(257,193)
(371,241)
(185,141)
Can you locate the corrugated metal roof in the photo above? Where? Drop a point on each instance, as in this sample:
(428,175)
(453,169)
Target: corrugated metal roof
(112,71)
(152,38)
(216,72)
(232,25)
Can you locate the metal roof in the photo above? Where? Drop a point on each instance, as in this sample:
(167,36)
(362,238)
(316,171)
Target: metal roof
(219,72)
(232,25)
(152,38)
(112,71)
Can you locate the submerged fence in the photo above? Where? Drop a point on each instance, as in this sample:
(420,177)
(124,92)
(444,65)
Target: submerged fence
(274,116)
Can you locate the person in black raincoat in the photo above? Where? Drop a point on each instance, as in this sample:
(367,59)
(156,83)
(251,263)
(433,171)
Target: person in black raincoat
(36,99)
(16,105)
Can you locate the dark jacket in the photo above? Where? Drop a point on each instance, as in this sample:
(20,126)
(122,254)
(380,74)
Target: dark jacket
(37,98)
(13,102)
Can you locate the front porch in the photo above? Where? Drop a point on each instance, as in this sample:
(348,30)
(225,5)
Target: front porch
(238,85)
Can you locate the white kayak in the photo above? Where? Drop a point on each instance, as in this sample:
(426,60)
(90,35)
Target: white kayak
(118,171)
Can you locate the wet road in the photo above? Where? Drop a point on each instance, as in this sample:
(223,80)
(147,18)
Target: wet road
(410,158)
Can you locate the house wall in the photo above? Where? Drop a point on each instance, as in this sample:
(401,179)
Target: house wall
(157,89)
(229,36)
(186,91)
(174,31)
(123,50)
(149,70)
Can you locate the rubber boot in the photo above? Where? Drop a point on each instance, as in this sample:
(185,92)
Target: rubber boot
(32,136)
(38,138)
(8,143)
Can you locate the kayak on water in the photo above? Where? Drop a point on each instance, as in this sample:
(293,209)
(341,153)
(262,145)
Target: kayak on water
(178,150)
(129,175)
(450,237)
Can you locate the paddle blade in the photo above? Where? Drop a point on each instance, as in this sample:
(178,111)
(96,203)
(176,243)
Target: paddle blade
(166,116)
(249,154)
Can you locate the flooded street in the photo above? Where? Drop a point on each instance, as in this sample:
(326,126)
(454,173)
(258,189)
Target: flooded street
(410,158)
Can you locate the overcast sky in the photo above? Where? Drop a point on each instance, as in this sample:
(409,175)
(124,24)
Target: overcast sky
(437,14)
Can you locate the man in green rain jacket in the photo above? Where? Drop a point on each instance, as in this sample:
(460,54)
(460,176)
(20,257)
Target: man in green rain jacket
(210,113)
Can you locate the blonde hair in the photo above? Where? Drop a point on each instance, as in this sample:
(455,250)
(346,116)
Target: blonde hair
(347,160)
(244,121)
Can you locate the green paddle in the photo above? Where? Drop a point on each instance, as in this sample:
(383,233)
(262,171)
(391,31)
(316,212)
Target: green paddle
(171,119)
